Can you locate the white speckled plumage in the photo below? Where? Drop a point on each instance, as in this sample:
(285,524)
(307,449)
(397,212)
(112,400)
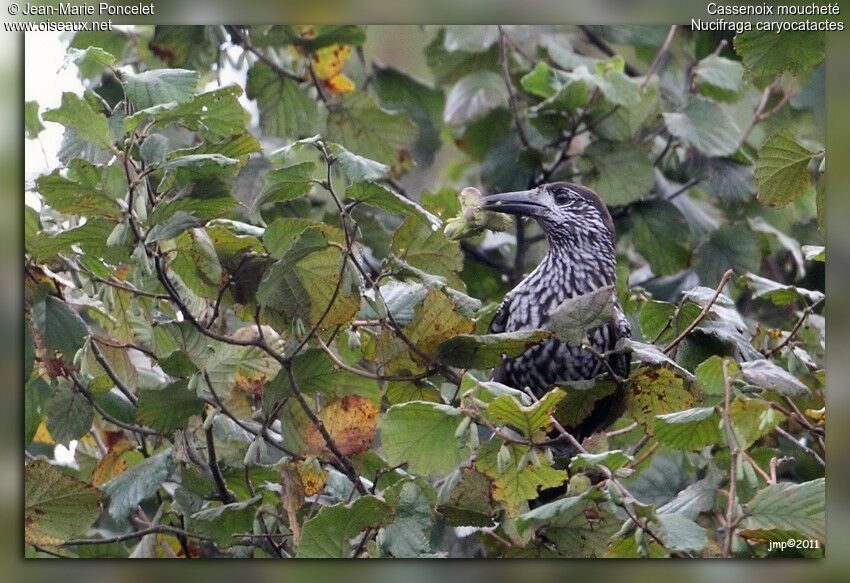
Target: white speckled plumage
(581,258)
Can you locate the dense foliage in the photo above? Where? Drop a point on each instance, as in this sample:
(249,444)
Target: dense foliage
(263,345)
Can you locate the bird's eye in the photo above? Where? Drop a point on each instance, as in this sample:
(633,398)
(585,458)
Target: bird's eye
(562,196)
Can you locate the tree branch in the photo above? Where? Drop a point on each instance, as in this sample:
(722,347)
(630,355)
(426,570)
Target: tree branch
(733,463)
(702,314)
(662,52)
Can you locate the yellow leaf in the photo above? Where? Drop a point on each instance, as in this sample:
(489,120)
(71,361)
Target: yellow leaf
(351,423)
(817,415)
(655,392)
(340,84)
(313,477)
(435,321)
(42,435)
(328,61)
(112,464)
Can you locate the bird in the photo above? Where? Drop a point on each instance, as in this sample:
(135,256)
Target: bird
(581,258)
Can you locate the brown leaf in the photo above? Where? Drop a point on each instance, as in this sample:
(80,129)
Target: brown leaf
(112,464)
(350,422)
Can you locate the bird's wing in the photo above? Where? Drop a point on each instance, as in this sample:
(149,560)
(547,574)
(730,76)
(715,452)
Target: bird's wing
(621,328)
(500,319)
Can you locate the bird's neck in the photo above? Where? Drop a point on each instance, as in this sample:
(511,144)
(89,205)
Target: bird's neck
(576,264)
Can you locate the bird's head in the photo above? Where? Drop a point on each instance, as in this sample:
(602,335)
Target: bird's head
(560,208)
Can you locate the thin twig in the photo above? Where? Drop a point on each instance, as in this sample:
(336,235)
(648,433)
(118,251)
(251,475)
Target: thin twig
(684,188)
(512,99)
(113,376)
(600,44)
(733,463)
(799,324)
(659,56)
(242,40)
(103,413)
(702,314)
(158,529)
(799,443)
(218,479)
(348,467)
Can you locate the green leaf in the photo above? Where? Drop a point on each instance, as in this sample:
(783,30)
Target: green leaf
(617,87)
(195,168)
(581,400)
(62,328)
(172,226)
(159,86)
(779,294)
(318,375)
(357,168)
(520,480)
(399,90)
(303,286)
(576,525)
(204,198)
(381,197)
(286,184)
(286,109)
(57,506)
(85,191)
(486,351)
(719,78)
(656,392)
(69,414)
(215,114)
(422,435)
(222,522)
(542,81)
(691,429)
(782,174)
(193,47)
(681,534)
(322,35)
(709,374)
(137,483)
(814,253)
(527,420)
(32,123)
(425,247)
(575,317)
(706,126)
(727,247)
(621,173)
(328,534)
(472,38)
(767,375)
(91,61)
(405,537)
(613,460)
(91,237)
(473,96)
(236,147)
(405,391)
(169,408)
(660,233)
(792,507)
(362,127)
(154,149)
(449,66)
(465,499)
(752,419)
(77,113)
(767,54)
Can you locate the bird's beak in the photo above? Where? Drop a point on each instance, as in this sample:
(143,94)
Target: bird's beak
(523,202)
